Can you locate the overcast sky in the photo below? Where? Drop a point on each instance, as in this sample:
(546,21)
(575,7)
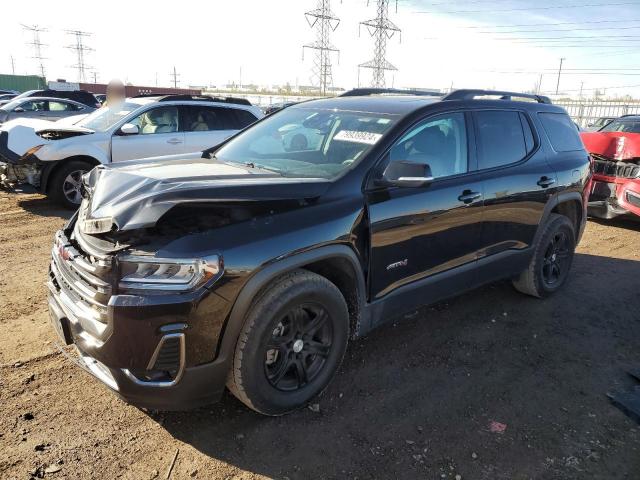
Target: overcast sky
(502,44)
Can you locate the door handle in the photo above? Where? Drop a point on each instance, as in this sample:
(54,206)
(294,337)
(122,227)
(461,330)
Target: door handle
(468,196)
(545,182)
(174,141)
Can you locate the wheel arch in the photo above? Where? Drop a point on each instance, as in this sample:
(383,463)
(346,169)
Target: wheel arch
(49,172)
(564,203)
(337,263)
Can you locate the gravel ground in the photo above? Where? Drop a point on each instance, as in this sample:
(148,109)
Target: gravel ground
(415,399)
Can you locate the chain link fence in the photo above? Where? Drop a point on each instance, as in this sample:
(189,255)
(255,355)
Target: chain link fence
(585,112)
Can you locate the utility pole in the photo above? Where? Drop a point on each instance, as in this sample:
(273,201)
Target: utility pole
(13,65)
(559,73)
(381,29)
(581,85)
(81,49)
(95,77)
(175,76)
(539,88)
(37,45)
(325,22)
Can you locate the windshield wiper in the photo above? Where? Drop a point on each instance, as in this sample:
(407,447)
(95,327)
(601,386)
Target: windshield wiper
(249,165)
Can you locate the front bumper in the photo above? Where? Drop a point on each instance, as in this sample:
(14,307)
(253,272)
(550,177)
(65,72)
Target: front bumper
(19,174)
(614,196)
(156,352)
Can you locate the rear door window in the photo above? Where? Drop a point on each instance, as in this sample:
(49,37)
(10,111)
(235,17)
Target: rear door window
(205,118)
(561,131)
(61,106)
(501,138)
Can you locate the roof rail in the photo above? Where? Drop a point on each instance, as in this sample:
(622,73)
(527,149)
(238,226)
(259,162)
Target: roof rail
(363,92)
(472,94)
(144,95)
(204,98)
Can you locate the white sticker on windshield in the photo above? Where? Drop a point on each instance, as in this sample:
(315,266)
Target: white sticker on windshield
(357,137)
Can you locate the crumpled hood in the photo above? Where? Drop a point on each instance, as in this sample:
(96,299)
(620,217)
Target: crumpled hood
(137,194)
(19,135)
(615,145)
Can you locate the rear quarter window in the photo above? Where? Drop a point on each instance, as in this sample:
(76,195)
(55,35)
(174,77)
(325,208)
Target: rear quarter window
(243,118)
(561,131)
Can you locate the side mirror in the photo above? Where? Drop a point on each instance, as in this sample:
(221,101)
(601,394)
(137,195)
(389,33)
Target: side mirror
(18,109)
(405,174)
(129,129)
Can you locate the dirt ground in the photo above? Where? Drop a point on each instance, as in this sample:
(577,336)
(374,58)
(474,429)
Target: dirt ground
(413,400)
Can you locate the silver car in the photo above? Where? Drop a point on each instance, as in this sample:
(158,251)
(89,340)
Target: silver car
(43,108)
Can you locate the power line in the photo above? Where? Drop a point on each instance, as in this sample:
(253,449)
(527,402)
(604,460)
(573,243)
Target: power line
(381,29)
(37,45)
(325,22)
(570,30)
(526,9)
(81,49)
(553,24)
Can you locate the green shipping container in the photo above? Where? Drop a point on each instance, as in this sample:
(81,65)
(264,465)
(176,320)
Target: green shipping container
(22,83)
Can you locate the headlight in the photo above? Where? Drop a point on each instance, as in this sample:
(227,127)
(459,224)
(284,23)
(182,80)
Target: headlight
(94,226)
(167,275)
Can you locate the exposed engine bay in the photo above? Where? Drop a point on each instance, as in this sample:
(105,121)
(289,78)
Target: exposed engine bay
(616,173)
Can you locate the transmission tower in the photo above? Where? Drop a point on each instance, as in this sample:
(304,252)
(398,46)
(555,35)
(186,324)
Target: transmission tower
(81,49)
(381,29)
(324,22)
(37,45)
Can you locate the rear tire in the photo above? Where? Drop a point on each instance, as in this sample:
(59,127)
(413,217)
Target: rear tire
(293,341)
(551,262)
(64,187)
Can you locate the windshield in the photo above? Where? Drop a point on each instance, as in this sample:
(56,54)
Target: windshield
(104,118)
(307,142)
(619,126)
(8,107)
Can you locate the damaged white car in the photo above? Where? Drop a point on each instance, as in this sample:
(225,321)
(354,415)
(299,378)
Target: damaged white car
(53,156)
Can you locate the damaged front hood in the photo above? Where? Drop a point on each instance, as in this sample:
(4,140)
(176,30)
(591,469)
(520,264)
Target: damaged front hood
(56,131)
(614,145)
(138,194)
(19,135)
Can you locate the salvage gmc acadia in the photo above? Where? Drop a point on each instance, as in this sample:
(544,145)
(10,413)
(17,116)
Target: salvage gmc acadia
(252,266)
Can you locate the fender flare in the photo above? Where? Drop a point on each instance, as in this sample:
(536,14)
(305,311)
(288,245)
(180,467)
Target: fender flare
(268,273)
(553,202)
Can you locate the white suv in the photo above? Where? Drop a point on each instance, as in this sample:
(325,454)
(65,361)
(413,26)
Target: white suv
(53,156)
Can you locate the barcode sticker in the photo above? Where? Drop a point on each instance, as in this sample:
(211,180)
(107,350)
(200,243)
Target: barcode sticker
(357,137)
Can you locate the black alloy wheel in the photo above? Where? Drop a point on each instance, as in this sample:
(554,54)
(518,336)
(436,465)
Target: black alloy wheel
(556,259)
(299,347)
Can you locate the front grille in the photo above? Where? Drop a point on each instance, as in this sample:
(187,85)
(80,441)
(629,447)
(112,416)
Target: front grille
(616,169)
(82,282)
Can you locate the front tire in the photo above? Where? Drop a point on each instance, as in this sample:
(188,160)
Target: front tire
(549,268)
(293,341)
(64,188)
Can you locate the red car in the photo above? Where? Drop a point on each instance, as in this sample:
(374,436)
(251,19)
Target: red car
(615,150)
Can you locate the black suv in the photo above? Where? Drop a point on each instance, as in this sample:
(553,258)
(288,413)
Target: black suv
(252,266)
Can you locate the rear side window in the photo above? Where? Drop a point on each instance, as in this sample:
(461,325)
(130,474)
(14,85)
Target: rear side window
(204,118)
(561,131)
(61,106)
(501,138)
